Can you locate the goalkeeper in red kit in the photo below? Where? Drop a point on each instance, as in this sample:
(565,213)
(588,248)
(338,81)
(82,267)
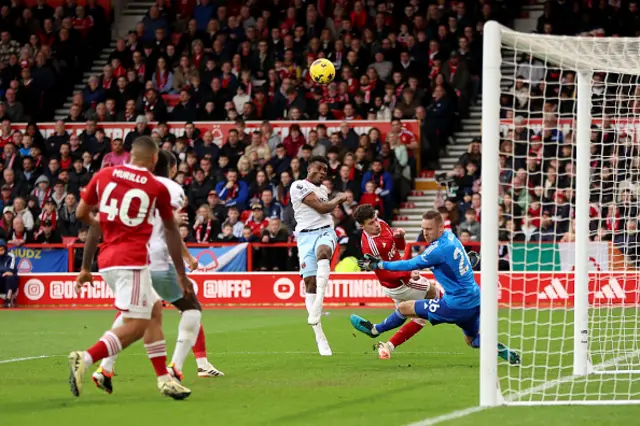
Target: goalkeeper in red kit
(379,240)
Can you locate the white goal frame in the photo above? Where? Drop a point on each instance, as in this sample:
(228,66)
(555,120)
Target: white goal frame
(584,55)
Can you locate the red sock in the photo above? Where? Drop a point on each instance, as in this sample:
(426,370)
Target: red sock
(108,345)
(405,333)
(200,347)
(157,352)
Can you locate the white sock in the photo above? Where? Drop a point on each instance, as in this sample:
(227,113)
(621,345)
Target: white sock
(187,334)
(107,364)
(202,363)
(309,300)
(322,279)
(88,361)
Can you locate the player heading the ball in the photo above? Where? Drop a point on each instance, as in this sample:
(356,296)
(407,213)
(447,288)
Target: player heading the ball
(316,240)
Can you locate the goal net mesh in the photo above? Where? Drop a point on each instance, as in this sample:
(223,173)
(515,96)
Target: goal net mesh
(537,211)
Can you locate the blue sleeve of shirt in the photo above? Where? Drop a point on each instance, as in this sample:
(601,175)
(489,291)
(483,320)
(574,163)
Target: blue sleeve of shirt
(365,178)
(429,258)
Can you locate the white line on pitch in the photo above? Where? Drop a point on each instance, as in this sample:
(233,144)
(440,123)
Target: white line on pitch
(31,358)
(27,358)
(518,395)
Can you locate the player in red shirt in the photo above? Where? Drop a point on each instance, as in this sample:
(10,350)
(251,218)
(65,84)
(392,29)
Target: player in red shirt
(379,240)
(127,197)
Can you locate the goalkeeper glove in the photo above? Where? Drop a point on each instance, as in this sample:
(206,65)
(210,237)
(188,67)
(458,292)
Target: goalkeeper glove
(474,258)
(369,263)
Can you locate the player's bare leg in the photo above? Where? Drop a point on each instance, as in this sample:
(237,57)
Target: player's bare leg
(310,298)
(413,327)
(111,343)
(323,254)
(156,348)
(191,337)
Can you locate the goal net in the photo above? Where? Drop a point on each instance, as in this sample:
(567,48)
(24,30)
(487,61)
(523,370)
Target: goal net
(560,241)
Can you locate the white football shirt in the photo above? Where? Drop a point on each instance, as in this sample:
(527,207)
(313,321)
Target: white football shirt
(158,252)
(307,217)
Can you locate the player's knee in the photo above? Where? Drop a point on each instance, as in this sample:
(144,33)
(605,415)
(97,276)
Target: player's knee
(310,285)
(420,321)
(156,312)
(407,308)
(187,303)
(324,253)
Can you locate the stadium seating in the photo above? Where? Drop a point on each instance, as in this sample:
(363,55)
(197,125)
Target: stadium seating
(230,63)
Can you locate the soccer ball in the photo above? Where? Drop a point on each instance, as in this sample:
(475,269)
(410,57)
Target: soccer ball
(322,71)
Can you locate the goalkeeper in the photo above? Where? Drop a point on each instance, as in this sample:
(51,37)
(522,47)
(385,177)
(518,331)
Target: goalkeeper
(453,269)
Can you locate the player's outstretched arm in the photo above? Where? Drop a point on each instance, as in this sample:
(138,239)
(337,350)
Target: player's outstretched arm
(323,207)
(405,265)
(432,256)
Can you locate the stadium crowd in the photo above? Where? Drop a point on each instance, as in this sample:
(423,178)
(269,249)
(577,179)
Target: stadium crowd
(537,161)
(234,62)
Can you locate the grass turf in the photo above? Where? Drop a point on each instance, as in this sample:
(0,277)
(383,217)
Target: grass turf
(273,376)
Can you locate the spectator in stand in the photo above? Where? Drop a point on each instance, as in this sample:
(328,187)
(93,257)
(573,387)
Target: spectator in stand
(233,219)
(8,275)
(257,222)
(371,198)
(21,211)
(200,188)
(274,258)
(271,208)
(470,225)
(67,223)
(233,191)
(18,189)
(19,235)
(48,235)
(205,228)
(227,234)
(383,186)
(117,157)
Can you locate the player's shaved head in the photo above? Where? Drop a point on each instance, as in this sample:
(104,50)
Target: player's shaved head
(144,152)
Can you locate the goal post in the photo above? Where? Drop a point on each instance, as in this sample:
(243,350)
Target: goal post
(560,188)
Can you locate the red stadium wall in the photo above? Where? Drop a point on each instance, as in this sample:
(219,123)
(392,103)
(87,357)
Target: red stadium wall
(543,290)
(220,129)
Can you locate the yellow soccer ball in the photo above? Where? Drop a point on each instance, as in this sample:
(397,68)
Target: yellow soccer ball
(322,71)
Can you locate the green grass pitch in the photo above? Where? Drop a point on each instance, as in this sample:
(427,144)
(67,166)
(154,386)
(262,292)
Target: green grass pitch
(273,376)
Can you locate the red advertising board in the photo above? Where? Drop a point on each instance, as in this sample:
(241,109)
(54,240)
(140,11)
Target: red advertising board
(220,129)
(351,289)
